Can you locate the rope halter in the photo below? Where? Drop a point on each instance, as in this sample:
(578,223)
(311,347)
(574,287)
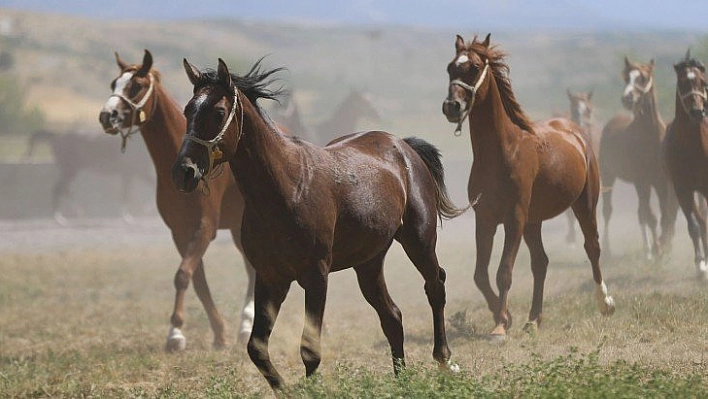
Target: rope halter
(136,111)
(472,90)
(684,96)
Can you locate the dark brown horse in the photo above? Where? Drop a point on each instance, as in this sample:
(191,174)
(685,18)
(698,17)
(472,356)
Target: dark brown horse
(686,152)
(630,149)
(582,113)
(139,101)
(312,210)
(522,174)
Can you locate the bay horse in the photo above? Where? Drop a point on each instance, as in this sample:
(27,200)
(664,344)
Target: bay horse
(686,152)
(140,101)
(630,149)
(314,210)
(522,174)
(78,151)
(582,113)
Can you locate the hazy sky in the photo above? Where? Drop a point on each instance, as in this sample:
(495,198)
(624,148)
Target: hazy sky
(438,14)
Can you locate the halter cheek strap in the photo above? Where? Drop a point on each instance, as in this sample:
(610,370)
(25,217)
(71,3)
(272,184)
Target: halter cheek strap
(701,94)
(212,145)
(136,109)
(473,94)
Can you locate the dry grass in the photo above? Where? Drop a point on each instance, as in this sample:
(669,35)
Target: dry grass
(93,321)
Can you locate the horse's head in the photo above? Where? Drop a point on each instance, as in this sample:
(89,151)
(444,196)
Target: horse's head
(213,125)
(132,101)
(360,104)
(581,108)
(639,82)
(691,87)
(468,73)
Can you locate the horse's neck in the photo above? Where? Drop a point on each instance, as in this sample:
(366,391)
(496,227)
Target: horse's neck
(492,131)
(164,131)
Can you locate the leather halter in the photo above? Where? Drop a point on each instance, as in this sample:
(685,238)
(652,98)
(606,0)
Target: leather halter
(472,90)
(136,111)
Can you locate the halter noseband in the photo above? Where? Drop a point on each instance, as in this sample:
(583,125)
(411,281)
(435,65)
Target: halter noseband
(212,145)
(135,108)
(472,90)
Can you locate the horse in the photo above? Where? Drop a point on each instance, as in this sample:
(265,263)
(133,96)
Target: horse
(345,118)
(522,174)
(140,101)
(288,119)
(314,210)
(685,152)
(76,152)
(582,113)
(630,149)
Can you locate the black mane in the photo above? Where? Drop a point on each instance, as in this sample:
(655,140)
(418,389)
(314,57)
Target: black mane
(254,84)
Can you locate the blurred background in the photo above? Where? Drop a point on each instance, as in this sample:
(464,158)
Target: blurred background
(57,62)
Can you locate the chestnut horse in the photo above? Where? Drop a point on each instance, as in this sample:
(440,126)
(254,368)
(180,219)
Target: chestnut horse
(630,149)
(312,210)
(522,174)
(582,113)
(686,152)
(139,101)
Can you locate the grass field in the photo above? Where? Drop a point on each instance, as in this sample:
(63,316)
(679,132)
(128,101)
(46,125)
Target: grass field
(88,318)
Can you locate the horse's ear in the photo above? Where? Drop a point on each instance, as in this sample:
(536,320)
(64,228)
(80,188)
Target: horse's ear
(651,64)
(192,72)
(121,64)
(590,95)
(223,74)
(485,43)
(570,95)
(459,43)
(147,64)
(688,54)
(627,64)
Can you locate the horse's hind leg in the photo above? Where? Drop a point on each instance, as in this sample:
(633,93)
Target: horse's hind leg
(609,181)
(539,267)
(696,224)
(314,282)
(373,286)
(570,236)
(647,220)
(419,244)
(268,297)
(584,209)
(246,324)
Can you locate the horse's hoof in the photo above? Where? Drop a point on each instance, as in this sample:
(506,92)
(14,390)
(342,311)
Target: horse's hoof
(450,366)
(219,344)
(176,342)
(496,338)
(702,271)
(531,327)
(607,308)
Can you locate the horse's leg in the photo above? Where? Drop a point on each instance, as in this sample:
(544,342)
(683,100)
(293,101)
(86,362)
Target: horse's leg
(513,231)
(60,190)
(484,236)
(584,209)
(269,295)
(695,227)
(192,248)
(647,220)
(125,199)
(539,267)
(314,283)
(668,206)
(570,236)
(246,324)
(419,243)
(373,286)
(608,184)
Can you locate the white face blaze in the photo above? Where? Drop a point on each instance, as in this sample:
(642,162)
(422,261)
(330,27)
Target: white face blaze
(113,101)
(461,59)
(691,75)
(633,75)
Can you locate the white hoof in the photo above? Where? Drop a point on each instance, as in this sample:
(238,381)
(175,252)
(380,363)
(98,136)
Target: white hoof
(450,366)
(606,302)
(702,269)
(176,342)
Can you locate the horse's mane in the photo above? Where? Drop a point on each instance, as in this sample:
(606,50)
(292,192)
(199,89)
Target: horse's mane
(690,63)
(500,71)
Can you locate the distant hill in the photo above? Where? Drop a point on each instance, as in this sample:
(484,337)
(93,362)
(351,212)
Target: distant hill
(68,63)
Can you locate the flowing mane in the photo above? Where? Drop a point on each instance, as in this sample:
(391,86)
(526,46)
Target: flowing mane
(500,71)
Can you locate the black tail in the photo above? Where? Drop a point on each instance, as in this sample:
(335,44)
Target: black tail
(431,157)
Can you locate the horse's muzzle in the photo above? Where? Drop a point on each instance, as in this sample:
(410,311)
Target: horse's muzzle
(452,110)
(105,119)
(186,176)
(697,114)
(628,102)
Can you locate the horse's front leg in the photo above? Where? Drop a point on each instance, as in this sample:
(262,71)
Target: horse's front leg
(315,286)
(485,241)
(192,248)
(513,231)
(269,294)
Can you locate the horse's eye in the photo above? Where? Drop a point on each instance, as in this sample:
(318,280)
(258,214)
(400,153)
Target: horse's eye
(220,113)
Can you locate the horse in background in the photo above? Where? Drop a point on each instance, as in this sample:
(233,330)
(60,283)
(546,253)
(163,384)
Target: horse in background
(288,119)
(522,174)
(630,149)
(140,101)
(582,112)
(77,152)
(315,210)
(686,153)
(346,117)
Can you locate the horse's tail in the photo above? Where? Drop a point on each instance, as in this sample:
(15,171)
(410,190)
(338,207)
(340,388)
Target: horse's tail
(431,157)
(39,135)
